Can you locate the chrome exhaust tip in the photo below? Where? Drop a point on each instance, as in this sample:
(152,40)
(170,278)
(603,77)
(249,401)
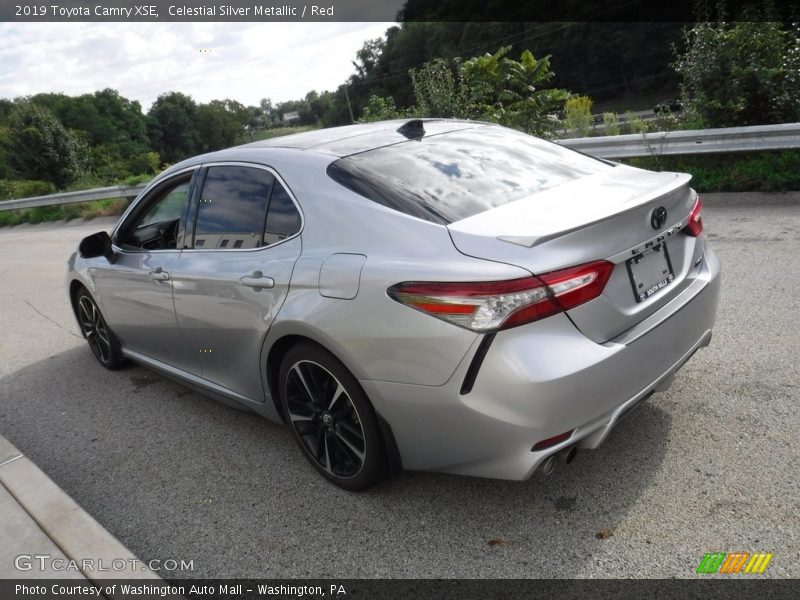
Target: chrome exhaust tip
(548,466)
(567,455)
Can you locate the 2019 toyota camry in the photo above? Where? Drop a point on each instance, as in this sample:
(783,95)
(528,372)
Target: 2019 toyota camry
(430,295)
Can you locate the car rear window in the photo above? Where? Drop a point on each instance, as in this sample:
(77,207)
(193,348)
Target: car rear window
(448,177)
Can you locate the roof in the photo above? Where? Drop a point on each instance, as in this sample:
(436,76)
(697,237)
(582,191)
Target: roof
(352,139)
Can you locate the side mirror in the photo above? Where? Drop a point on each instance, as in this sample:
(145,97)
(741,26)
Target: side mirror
(97,244)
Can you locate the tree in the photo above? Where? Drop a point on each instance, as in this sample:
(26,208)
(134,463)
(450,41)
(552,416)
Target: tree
(6,107)
(111,125)
(42,148)
(741,73)
(220,124)
(172,127)
(439,89)
(511,92)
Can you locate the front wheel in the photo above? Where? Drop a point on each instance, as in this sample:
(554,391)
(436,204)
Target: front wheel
(101,339)
(331,418)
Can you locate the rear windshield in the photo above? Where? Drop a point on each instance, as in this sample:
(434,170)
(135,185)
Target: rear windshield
(448,177)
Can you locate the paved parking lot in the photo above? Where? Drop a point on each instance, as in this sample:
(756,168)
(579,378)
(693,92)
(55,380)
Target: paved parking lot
(710,465)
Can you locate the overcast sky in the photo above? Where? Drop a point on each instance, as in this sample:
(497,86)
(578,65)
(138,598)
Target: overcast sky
(241,61)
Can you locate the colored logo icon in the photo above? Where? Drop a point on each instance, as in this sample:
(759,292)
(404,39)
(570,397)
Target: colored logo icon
(736,562)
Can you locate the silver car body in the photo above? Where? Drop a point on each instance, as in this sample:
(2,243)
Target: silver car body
(577,371)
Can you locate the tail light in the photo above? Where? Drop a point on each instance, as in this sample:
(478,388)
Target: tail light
(695,225)
(494,305)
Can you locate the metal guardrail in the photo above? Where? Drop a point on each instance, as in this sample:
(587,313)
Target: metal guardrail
(698,141)
(118,191)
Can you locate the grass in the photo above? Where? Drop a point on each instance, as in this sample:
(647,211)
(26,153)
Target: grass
(766,171)
(66,212)
(109,207)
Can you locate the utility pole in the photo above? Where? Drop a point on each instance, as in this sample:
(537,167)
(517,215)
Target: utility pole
(349,108)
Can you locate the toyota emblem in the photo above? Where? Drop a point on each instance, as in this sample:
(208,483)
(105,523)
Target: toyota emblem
(658,218)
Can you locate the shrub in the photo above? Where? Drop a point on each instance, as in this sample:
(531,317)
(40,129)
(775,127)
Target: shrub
(611,121)
(774,171)
(380,109)
(578,111)
(24,188)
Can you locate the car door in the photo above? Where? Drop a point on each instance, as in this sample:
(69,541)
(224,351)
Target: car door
(233,276)
(136,290)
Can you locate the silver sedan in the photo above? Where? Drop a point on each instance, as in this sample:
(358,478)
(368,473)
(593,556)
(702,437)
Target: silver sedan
(430,295)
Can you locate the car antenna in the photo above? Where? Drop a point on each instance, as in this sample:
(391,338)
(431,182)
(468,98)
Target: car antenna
(412,129)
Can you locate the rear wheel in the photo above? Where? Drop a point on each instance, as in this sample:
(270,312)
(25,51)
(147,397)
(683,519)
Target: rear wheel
(331,418)
(101,339)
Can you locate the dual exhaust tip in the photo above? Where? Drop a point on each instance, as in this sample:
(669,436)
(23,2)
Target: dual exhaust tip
(565,457)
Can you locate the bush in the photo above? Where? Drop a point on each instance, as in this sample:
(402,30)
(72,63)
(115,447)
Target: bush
(42,148)
(439,90)
(24,188)
(381,109)
(634,123)
(741,72)
(611,121)
(578,111)
(775,171)
(513,93)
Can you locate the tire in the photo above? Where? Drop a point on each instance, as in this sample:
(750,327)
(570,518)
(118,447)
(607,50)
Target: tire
(103,343)
(331,418)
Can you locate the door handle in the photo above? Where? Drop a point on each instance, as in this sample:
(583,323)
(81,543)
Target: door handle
(257,281)
(159,274)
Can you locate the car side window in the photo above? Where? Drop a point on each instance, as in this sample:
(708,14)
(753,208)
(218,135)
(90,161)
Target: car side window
(156,228)
(283,218)
(233,207)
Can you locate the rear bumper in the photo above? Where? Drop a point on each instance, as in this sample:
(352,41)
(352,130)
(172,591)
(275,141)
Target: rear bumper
(543,379)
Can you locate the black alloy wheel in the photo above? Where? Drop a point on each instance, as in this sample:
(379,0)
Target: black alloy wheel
(101,339)
(331,418)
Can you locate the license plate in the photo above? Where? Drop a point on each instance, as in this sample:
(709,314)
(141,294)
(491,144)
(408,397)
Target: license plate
(650,271)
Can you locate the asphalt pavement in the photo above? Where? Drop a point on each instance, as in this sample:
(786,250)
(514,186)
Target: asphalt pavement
(710,465)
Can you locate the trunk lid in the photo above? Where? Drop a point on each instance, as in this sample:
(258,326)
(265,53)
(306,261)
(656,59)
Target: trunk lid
(605,216)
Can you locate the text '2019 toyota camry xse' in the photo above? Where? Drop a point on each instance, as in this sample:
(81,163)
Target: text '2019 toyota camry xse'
(430,295)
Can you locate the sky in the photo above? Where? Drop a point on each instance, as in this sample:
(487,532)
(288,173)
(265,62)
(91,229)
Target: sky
(240,61)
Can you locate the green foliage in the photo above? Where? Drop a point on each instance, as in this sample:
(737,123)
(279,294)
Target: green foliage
(634,123)
(173,127)
(611,122)
(42,148)
(137,179)
(439,89)
(492,88)
(380,109)
(67,212)
(604,60)
(578,115)
(112,126)
(220,124)
(744,72)
(23,188)
(510,92)
(5,149)
(6,107)
(774,171)
(148,163)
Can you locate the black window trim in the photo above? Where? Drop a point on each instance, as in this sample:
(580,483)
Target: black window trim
(195,201)
(144,201)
